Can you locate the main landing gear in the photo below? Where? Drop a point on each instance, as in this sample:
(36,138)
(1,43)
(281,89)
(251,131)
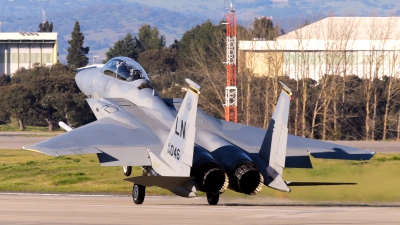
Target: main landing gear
(127,170)
(212,198)
(138,193)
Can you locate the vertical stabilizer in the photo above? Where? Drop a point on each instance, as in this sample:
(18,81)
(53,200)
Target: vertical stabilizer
(273,148)
(178,149)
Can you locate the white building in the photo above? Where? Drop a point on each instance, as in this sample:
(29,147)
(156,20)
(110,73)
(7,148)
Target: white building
(24,49)
(362,46)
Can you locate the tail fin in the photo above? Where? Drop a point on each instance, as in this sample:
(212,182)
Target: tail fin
(178,149)
(273,148)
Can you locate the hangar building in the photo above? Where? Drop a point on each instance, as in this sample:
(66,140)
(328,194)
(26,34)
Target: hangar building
(362,46)
(23,49)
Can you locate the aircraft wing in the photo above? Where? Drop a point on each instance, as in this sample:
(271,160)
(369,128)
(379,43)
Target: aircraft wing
(115,143)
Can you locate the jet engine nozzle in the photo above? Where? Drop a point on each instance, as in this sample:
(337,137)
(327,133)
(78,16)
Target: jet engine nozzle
(208,173)
(246,179)
(244,176)
(210,178)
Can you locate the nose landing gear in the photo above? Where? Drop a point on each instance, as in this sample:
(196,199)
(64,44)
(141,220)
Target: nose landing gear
(127,170)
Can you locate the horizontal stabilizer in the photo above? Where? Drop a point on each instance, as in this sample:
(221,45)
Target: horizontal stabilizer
(124,156)
(326,150)
(337,153)
(160,181)
(298,159)
(290,183)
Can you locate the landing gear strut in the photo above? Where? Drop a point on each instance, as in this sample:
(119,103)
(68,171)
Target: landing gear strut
(127,170)
(138,193)
(212,198)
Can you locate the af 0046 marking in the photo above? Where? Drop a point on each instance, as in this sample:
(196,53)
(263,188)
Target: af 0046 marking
(174,147)
(177,141)
(178,149)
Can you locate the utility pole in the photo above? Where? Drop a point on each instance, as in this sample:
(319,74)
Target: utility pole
(44,20)
(94,58)
(231,90)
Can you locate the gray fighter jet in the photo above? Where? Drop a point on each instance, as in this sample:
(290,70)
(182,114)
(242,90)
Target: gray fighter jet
(180,147)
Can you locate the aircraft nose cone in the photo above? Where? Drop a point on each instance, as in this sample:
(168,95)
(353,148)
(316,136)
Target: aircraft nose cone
(79,81)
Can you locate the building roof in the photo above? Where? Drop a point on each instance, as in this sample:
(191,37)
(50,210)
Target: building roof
(359,28)
(18,37)
(336,33)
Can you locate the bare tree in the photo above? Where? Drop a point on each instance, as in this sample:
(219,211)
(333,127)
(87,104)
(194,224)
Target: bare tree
(338,35)
(393,88)
(378,32)
(273,60)
(302,61)
(212,75)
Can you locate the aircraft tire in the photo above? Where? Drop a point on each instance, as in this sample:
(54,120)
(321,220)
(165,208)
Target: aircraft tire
(127,170)
(212,199)
(138,193)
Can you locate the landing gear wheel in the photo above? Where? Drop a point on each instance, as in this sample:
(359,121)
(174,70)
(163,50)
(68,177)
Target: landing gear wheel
(127,170)
(212,199)
(138,193)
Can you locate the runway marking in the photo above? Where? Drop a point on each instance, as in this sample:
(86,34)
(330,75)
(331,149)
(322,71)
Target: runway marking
(49,194)
(188,207)
(221,207)
(276,216)
(161,207)
(279,213)
(30,208)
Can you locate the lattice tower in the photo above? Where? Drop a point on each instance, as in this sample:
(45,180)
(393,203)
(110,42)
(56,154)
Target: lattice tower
(231,90)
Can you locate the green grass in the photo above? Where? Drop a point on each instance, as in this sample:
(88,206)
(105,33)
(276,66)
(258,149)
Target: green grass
(13,126)
(26,171)
(378,179)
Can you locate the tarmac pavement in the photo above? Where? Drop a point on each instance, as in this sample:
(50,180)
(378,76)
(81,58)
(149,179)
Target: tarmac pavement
(82,209)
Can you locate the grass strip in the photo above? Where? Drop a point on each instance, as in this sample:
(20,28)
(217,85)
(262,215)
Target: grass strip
(378,179)
(13,126)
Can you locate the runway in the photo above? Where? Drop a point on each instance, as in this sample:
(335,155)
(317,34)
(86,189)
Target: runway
(84,209)
(15,140)
(66,209)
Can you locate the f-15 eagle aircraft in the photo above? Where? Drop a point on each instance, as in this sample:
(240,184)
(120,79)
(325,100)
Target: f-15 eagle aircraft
(180,147)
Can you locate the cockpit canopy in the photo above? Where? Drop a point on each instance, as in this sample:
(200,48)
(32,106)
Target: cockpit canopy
(124,68)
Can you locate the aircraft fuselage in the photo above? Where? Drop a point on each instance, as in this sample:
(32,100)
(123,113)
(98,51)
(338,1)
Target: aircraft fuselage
(98,83)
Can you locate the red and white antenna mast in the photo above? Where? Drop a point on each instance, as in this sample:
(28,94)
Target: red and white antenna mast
(231,90)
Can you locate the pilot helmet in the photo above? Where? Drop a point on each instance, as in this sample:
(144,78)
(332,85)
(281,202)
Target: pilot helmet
(135,74)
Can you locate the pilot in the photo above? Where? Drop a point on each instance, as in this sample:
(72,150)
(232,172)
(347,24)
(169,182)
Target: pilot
(117,65)
(134,75)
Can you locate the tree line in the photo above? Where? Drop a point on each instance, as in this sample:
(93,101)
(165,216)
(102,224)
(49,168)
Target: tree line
(334,106)
(339,92)
(42,96)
